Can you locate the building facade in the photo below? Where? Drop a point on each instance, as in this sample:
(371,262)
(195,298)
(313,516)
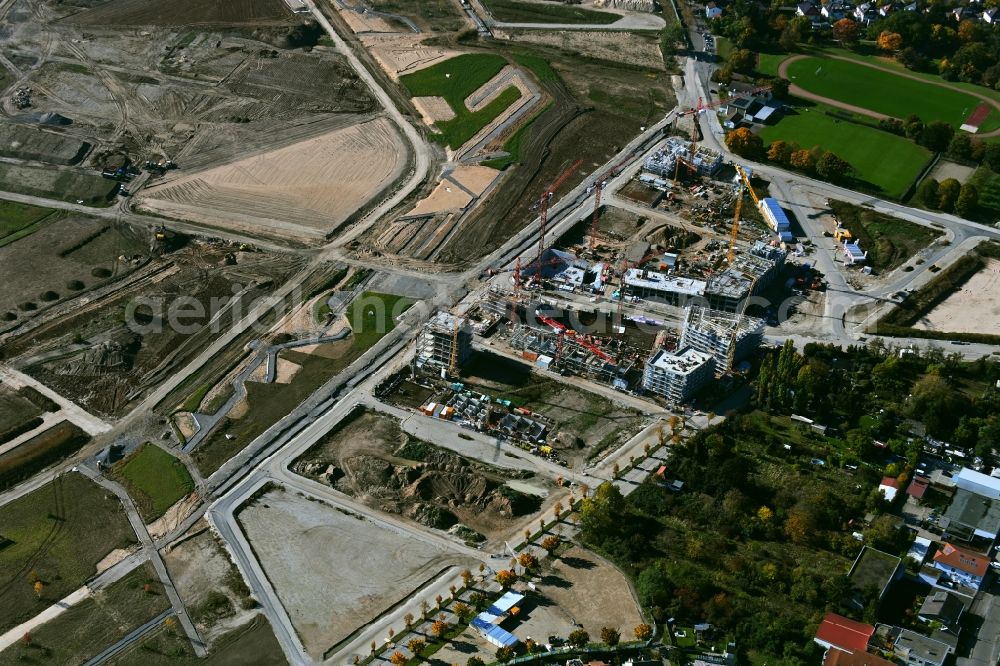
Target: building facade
(677,376)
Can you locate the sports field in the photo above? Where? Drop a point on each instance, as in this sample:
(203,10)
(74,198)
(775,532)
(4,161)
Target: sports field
(885,160)
(454,80)
(880,91)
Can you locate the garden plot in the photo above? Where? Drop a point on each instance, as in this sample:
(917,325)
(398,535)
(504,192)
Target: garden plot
(973,308)
(344,571)
(319,183)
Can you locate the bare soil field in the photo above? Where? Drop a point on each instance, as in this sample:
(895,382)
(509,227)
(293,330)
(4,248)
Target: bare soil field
(69,255)
(563,600)
(33,143)
(345,571)
(318,183)
(624,47)
(404,53)
(433,109)
(369,457)
(975,308)
(68,185)
(456,190)
(104,354)
(186,13)
(945,169)
(208,582)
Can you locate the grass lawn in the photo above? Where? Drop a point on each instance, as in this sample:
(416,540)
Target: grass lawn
(94,624)
(767,63)
(371,316)
(880,91)
(988,184)
(253,643)
(20,220)
(155,480)
(523,12)
(60,532)
(890,241)
(454,80)
(884,160)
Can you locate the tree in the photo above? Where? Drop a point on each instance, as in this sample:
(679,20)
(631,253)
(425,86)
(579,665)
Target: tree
(557,509)
(911,58)
(398,658)
(416,646)
(610,636)
(439,628)
(927,193)
(26,638)
(780,152)
(889,41)
(845,31)
(779,87)
(437,600)
(764,514)
(408,620)
(578,638)
(424,606)
(475,661)
(551,543)
(800,526)
(745,143)
(960,147)
(968,31)
(968,201)
(478,599)
(913,127)
(833,168)
(506,578)
(643,632)
(802,159)
(528,561)
(462,611)
(466,577)
(937,135)
(948,192)
(742,60)
(991,156)
(38,586)
(505,653)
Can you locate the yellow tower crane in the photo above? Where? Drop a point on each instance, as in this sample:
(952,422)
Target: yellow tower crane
(734,232)
(453,362)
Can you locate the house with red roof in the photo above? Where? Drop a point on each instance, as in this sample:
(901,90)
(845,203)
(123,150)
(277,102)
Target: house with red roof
(889,487)
(837,631)
(835,657)
(962,566)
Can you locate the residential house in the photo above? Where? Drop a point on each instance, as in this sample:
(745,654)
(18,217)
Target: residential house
(912,7)
(963,567)
(991,15)
(837,631)
(807,9)
(834,11)
(712,11)
(942,606)
(835,657)
(913,648)
(886,9)
(889,487)
(970,515)
(960,13)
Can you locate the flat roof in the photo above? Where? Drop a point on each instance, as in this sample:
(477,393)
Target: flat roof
(854,250)
(969,477)
(926,648)
(873,568)
(765,113)
(663,282)
(683,362)
(774,208)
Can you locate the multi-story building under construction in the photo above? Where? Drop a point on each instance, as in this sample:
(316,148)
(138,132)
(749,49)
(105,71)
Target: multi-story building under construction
(445,340)
(677,376)
(726,336)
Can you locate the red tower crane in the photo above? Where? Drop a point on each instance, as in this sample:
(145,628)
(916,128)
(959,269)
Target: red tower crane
(544,203)
(598,187)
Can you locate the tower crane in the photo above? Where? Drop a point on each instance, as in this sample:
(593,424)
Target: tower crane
(544,203)
(598,188)
(735,230)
